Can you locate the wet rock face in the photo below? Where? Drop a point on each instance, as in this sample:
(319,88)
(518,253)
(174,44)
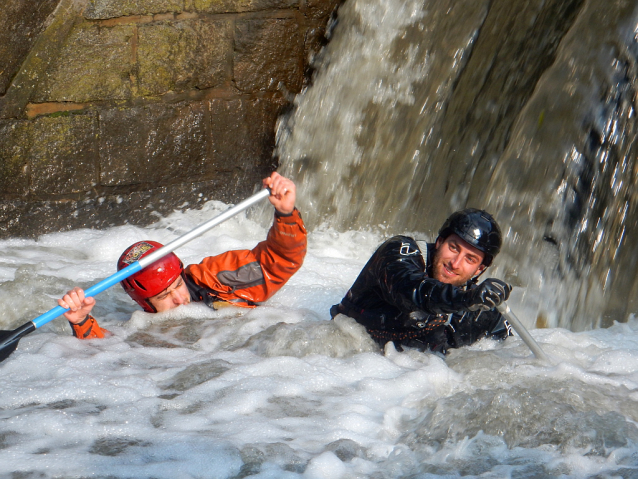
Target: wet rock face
(20,25)
(113,109)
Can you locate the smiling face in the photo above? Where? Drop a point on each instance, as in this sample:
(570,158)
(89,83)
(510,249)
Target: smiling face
(455,261)
(172,297)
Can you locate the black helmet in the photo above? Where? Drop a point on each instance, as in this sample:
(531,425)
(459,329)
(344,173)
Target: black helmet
(476,227)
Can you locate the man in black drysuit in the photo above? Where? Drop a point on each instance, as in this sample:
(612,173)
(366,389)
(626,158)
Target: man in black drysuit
(424,295)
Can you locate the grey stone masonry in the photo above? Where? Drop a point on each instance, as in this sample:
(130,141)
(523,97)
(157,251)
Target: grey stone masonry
(111,110)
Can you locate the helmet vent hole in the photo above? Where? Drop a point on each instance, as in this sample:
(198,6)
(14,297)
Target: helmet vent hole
(139,285)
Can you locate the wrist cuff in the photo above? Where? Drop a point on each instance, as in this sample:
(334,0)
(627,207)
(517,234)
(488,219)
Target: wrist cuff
(88,316)
(87,329)
(285,215)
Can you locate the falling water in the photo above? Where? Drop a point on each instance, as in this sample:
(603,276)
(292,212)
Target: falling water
(526,109)
(417,108)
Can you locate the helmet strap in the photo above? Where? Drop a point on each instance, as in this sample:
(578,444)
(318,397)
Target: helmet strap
(475,279)
(150,305)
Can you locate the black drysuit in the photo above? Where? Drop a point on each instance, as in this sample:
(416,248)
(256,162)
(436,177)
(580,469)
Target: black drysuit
(395,298)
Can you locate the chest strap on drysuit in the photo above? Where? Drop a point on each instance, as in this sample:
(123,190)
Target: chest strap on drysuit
(382,335)
(210,298)
(376,325)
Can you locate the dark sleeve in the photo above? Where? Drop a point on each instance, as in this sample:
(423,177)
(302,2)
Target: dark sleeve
(399,269)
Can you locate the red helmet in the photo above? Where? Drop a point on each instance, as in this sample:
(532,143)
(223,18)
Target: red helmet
(153,279)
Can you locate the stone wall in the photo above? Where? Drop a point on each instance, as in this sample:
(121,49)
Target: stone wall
(113,109)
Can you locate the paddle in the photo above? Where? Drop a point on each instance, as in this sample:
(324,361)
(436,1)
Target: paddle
(9,339)
(505,310)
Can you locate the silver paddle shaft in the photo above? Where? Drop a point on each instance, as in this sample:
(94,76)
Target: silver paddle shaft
(201,229)
(505,310)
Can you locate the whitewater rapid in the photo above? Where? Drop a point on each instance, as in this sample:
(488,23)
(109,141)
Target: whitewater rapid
(282,392)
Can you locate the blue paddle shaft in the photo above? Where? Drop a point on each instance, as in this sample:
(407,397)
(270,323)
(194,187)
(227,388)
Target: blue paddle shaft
(92,291)
(154,256)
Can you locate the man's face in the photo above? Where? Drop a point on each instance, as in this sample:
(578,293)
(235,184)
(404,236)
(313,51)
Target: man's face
(172,297)
(456,261)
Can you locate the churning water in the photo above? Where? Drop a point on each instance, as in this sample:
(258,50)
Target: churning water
(526,108)
(282,392)
(413,113)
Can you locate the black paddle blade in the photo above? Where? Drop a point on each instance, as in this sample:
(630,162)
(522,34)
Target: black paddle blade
(9,339)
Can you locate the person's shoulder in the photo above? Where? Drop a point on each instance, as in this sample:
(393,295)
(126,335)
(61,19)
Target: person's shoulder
(404,245)
(400,239)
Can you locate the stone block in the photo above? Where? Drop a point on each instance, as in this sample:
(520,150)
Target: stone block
(243,134)
(14,153)
(20,218)
(51,155)
(103,9)
(154,144)
(189,54)
(94,64)
(321,9)
(268,52)
(20,25)
(62,155)
(238,6)
(29,218)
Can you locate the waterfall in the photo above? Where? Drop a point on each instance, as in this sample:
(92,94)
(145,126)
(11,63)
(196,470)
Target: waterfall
(523,108)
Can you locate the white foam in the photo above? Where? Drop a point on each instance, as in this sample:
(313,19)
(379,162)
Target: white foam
(282,392)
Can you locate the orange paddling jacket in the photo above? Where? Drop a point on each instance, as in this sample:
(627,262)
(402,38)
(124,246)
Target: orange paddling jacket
(240,278)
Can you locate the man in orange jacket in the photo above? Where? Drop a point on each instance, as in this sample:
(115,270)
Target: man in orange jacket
(241,278)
